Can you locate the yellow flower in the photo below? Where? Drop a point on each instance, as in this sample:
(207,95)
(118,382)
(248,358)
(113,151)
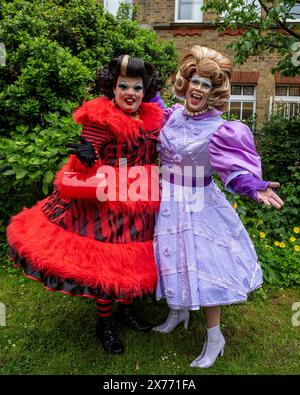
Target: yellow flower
(282,244)
(296,248)
(296,229)
(292,239)
(277,243)
(234,205)
(262,235)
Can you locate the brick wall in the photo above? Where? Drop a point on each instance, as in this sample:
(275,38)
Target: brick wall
(156,12)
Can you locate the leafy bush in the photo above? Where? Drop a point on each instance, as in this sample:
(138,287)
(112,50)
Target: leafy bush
(30,158)
(54,49)
(275,235)
(279,260)
(278,143)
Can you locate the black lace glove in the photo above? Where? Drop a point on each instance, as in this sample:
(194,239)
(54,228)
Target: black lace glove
(85,151)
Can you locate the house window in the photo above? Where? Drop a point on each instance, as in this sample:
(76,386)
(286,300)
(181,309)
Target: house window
(295,12)
(188,11)
(285,91)
(287,100)
(112,6)
(242,101)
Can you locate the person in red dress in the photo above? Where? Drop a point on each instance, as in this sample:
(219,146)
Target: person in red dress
(92,248)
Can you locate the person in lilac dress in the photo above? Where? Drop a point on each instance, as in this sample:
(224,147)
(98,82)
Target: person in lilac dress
(204,255)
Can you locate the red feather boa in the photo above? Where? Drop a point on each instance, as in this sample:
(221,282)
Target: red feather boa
(103,112)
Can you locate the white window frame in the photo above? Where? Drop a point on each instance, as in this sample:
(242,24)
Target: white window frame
(287,110)
(115,11)
(287,98)
(243,98)
(195,19)
(296,19)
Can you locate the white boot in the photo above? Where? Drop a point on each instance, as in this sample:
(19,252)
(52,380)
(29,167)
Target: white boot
(212,348)
(174,318)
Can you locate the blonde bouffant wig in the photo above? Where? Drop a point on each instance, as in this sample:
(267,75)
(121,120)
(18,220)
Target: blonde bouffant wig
(208,63)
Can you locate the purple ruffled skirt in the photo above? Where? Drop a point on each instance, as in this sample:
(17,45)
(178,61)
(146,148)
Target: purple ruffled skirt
(204,256)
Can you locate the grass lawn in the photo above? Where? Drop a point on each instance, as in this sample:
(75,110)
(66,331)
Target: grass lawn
(50,333)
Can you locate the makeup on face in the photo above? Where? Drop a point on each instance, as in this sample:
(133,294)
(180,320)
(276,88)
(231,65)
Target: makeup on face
(203,83)
(198,92)
(129,93)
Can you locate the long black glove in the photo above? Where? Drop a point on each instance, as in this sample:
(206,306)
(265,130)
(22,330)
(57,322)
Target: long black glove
(84,151)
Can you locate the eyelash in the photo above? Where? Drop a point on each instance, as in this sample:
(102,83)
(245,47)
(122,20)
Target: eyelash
(124,87)
(205,85)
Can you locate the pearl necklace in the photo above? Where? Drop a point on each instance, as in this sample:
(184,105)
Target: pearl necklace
(195,113)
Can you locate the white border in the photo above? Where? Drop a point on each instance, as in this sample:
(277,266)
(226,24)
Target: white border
(288,99)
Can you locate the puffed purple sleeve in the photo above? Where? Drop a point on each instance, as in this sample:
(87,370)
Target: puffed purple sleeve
(233,155)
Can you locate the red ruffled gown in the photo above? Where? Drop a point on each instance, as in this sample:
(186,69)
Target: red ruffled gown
(88,247)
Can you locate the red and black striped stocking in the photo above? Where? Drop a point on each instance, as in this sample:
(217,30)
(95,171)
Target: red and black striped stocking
(104,307)
(124,301)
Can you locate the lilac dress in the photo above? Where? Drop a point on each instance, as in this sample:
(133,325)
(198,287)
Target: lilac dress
(205,257)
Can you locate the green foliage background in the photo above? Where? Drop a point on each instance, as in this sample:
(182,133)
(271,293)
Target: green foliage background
(268,26)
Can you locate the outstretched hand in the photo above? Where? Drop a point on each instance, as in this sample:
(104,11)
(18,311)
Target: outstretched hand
(269,197)
(84,151)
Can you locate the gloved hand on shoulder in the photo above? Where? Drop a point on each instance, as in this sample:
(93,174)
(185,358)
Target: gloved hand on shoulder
(85,151)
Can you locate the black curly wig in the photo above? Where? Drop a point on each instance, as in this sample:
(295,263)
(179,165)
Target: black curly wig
(129,66)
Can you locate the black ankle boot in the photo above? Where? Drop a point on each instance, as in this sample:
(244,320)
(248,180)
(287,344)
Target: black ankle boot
(128,317)
(105,333)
